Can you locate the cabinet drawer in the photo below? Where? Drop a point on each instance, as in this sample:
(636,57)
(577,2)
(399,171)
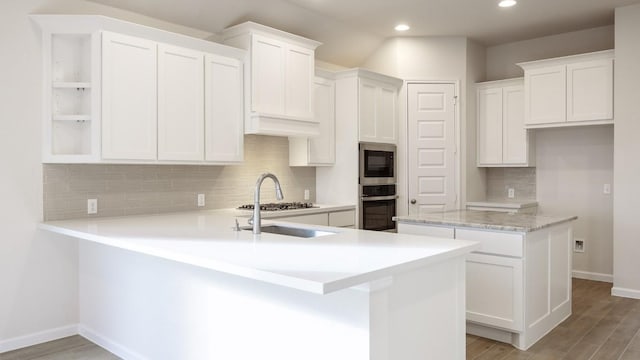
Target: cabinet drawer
(342,218)
(499,243)
(313,219)
(435,231)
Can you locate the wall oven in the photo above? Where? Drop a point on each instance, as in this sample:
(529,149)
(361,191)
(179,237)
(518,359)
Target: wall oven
(378,207)
(377,164)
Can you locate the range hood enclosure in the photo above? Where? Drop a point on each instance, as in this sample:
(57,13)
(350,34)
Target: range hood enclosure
(280,85)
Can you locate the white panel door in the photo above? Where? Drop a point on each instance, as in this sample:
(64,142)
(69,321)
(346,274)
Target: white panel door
(268,75)
(490,126)
(431,147)
(495,291)
(386,115)
(322,149)
(514,135)
(129,97)
(224,109)
(545,101)
(590,90)
(180,103)
(367,94)
(299,79)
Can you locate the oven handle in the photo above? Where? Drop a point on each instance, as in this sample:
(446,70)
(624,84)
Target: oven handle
(378,198)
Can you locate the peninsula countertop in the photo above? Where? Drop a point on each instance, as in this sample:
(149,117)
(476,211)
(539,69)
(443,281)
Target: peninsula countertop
(207,239)
(489,220)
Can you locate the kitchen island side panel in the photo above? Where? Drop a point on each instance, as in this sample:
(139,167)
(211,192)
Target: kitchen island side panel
(143,307)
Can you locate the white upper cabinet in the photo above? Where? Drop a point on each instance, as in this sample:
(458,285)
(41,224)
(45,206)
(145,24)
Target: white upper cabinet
(569,91)
(224,109)
(118,92)
(320,150)
(282,73)
(378,108)
(129,97)
(502,137)
(180,103)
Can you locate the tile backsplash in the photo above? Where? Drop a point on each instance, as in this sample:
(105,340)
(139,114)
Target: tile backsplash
(150,189)
(522,180)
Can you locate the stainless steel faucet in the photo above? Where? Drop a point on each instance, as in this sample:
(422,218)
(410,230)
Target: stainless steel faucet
(255,219)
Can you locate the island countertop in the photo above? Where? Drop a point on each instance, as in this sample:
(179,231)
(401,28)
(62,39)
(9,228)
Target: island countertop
(490,220)
(321,265)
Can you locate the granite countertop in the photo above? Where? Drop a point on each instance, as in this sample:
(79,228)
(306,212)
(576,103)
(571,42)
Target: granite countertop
(490,220)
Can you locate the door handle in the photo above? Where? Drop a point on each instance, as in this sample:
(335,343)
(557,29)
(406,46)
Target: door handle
(413,201)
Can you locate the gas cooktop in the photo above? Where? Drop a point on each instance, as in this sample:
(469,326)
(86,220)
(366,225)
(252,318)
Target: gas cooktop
(279,206)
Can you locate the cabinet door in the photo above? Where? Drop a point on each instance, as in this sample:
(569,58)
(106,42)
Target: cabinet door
(224,130)
(515,143)
(490,126)
(268,75)
(129,97)
(180,104)
(495,291)
(545,102)
(367,93)
(590,90)
(299,75)
(386,114)
(322,149)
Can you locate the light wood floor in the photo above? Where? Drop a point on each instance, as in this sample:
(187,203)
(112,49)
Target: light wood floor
(601,327)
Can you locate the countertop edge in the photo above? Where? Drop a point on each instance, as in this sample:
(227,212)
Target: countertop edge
(481,226)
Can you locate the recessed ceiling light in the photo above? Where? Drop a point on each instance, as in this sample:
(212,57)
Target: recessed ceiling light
(402,27)
(507,3)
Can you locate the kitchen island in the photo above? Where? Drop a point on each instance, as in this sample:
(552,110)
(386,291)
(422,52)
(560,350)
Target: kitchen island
(519,280)
(190,286)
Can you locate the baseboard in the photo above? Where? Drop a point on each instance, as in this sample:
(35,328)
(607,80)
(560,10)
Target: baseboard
(38,338)
(628,293)
(108,344)
(586,275)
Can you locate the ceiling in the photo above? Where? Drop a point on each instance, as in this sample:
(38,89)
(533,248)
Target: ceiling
(352,29)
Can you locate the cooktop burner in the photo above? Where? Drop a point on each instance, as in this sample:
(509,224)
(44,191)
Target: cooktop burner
(280,206)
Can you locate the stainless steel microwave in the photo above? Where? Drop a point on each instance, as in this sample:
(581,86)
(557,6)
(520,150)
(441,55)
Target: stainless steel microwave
(377,164)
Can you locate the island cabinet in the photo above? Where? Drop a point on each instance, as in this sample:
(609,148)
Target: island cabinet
(569,91)
(518,282)
(188,286)
(502,138)
(118,92)
(319,150)
(282,79)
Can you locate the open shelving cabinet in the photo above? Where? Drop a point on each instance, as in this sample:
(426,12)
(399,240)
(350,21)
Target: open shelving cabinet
(71,111)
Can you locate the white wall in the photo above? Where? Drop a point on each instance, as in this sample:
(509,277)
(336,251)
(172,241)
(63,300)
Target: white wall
(626,149)
(573,164)
(434,58)
(502,59)
(38,272)
(570,161)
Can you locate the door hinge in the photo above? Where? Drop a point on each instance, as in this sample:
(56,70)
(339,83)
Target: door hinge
(455,100)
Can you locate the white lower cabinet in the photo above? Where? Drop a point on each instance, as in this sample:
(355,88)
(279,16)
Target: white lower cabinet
(518,285)
(341,218)
(494,291)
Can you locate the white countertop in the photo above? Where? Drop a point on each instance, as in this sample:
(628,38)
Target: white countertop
(319,265)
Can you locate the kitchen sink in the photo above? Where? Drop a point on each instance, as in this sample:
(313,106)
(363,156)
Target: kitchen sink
(291,231)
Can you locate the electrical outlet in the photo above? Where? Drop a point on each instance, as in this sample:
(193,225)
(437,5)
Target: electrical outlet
(578,245)
(511,193)
(606,189)
(200,200)
(306,194)
(92,206)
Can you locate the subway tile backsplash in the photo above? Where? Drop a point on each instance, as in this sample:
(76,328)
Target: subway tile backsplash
(150,189)
(522,180)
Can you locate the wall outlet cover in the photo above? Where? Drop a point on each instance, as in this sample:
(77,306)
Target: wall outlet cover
(578,245)
(92,206)
(511,193)
(200,200)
